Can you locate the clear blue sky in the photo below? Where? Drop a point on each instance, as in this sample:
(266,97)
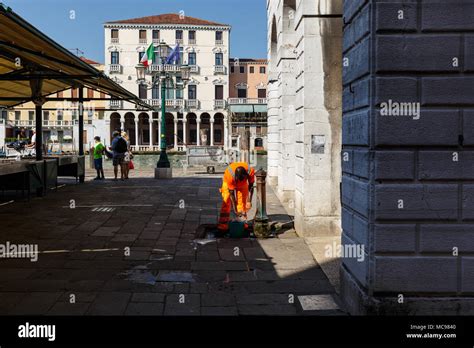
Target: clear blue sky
(247,18)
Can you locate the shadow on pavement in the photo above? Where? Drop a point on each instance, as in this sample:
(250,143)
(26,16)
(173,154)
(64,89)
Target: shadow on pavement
(130,248)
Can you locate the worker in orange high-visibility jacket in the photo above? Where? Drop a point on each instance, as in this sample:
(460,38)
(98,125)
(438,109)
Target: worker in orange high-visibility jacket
(237,183)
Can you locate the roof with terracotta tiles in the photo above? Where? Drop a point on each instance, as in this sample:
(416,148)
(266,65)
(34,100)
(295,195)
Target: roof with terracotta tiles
(168,18)
(89,61)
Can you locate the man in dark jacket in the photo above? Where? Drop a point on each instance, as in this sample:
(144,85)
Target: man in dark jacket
(119,148)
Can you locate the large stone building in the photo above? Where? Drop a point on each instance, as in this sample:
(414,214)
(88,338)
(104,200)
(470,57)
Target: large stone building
(407,144)
(247,104)
(199,109)
(304,110)
(408,156)
(60,119)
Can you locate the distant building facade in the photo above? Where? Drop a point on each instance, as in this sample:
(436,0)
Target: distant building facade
(200,110)
(248,82)
(60,118)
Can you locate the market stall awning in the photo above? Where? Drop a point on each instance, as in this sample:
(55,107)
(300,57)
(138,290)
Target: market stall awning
(260,108)
(26,54)
(241,108)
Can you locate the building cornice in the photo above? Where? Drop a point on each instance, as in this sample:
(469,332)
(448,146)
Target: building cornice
(166,26)
(248,63)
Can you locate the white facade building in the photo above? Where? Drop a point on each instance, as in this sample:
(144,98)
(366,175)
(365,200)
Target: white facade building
(196,116)
(304,110)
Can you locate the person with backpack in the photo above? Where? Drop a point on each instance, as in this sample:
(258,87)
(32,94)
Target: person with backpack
(119,148)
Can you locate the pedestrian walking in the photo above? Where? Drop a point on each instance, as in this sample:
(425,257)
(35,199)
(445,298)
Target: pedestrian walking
(98,152)
(119,148)
(128,164)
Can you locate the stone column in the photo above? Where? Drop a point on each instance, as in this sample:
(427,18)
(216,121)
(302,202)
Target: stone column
(226,133)
(184,131)
(211,121)
(317,114)
(151,131)
(198,131)
(136,134)
(175,134)
(122,122)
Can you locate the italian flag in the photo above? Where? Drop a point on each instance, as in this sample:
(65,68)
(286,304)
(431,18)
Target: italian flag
(149,56)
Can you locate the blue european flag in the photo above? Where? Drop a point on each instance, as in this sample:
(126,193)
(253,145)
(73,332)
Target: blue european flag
(174,56)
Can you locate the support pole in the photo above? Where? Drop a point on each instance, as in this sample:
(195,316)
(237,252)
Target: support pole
(163,167)
(261,226)
(36,86)
(81,126)
(39,131)
(163,162)
(81,121)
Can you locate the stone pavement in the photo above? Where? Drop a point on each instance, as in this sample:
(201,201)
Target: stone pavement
(130,248)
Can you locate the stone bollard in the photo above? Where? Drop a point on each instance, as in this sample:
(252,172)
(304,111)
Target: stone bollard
(261,227)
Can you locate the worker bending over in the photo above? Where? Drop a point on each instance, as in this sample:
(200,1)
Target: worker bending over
(237,183)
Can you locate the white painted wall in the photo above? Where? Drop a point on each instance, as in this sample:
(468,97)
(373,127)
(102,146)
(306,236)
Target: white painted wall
(305,59)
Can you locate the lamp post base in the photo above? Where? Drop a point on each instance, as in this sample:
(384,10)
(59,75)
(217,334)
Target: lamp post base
(163,162)
(163,173)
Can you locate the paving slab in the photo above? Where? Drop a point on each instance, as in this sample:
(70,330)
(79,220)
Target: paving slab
(109,303)
(183,304)
(145,309)
(89,259)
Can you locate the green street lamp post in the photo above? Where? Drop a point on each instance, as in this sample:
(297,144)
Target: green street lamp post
(163,162)
(166,75)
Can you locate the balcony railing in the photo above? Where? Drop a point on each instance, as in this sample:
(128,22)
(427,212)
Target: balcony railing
(156,41)
(192,41)
(153,102)
(56,123)
(116,104)
(167,68)
(115,68)
(170,103)
(175,103)
(142,41)
(219,69)
(179,41)
(24,123)
(219,104)
(192,104)
(247,101)
(219,42)
(194,69)
(114,40)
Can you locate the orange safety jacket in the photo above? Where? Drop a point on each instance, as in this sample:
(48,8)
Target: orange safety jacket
(229,175)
